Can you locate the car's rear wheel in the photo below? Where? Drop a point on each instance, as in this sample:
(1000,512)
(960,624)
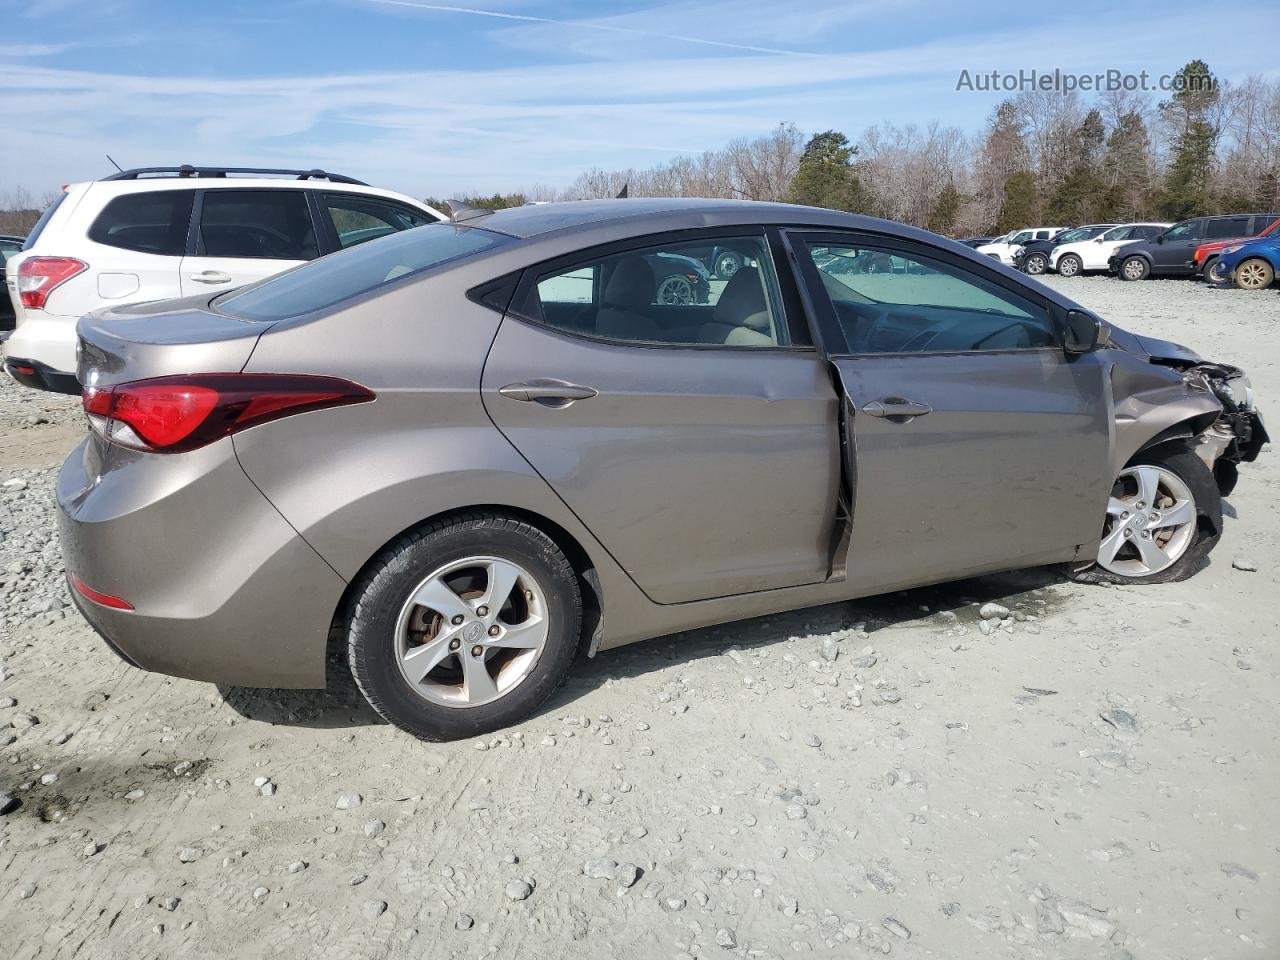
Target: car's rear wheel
(1134,268)
(1069,265)
(1036,264)
(1254,274)
(465,626)
(1163,517)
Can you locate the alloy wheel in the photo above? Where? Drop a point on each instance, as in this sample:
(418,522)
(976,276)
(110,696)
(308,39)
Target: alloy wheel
(471,631)
(1068,266)
(675,290)
(1253,275)
(1035,264)
(1151,521)
(1134,269)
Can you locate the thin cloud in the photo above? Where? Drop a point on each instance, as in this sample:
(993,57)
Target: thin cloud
(592,25)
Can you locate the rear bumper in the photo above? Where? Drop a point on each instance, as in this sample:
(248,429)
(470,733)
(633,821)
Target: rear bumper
(46,342)
(223,589)
(34,374)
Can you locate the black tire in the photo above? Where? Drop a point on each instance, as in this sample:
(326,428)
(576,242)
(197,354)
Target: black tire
(387,584)
(1207,268)
(1035,264)
(1069,265)
(1178,459)
(1134,268)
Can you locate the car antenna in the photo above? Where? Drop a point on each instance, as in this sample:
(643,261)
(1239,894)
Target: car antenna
(114,164)
(624,192)
(459,211)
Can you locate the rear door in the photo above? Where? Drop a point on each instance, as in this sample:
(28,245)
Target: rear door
(137,241)
(697,441)
(243,235)
(976,443)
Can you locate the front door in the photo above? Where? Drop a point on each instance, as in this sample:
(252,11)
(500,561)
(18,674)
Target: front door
(1174,249)
(695,438)
(248,235)
(977,444)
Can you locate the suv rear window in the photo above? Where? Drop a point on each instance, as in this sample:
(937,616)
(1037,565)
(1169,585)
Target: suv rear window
(349,273)
(257,225)
(155,221)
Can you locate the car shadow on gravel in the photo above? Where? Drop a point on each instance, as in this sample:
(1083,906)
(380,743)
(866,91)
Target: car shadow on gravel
(341,705)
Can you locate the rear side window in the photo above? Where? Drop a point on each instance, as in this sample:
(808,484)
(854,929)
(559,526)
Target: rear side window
(1227,227)
(349,273)
(45,217)
(357,218)
(152,222)
(257,225)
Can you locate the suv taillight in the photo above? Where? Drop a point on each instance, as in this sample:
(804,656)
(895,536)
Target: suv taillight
(175,414)
(40,276)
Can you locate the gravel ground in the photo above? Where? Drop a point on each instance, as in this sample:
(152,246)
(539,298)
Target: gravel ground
(1088,773)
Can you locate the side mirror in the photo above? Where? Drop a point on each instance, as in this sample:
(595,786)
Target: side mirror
(1084,333)
(1160,239)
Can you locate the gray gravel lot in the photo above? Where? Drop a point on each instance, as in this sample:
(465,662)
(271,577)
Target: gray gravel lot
(1086,773)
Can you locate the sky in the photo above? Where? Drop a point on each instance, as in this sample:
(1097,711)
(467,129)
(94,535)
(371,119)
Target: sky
(440,100)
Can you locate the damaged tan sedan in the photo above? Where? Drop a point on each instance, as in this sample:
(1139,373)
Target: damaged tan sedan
(475,448)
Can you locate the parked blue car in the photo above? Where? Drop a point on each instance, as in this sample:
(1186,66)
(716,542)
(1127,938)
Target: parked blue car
(1252,264)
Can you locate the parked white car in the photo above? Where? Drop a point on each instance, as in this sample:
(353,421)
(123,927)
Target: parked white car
(1006,248)
(163,232)
(1072,259)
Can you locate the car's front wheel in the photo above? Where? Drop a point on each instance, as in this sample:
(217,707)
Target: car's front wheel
(1070,265)
(1035,264)
(465,626)
(1164,516)
(1134,268)
(1254,274)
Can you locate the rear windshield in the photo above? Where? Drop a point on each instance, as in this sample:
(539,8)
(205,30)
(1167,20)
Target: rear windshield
(43,221)
(357,270)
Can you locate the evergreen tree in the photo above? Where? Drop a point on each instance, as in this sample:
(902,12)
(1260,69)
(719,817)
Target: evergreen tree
(1126,170)
(827,175)
(946,209)
(1019,208)
(1186,185)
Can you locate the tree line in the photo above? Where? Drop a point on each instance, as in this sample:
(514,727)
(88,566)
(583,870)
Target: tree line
(1042,157)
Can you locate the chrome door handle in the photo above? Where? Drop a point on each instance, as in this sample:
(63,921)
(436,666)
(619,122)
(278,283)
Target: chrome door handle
(211,276)
(558,393)
(897,409)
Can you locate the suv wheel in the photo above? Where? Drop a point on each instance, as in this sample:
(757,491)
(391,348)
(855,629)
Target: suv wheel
(1163,518)
(465,626)
(1070,265)
(1134,268)
(1036,264)
(1254,274)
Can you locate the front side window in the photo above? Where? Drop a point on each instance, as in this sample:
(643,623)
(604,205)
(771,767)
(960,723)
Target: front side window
(1022,236)
(664,294)
(257,225)
(357,218)
(1119,233)
(886,301)
(1187,230)
(349,273)
(154,221)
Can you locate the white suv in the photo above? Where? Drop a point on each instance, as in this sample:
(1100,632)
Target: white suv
(162,232)
(1006,248)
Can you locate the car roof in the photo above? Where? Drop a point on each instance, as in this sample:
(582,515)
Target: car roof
(144,184)
(643,214)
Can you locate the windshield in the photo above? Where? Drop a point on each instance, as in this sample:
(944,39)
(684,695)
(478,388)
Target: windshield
(356,270)
(1079,233)
(1021,237)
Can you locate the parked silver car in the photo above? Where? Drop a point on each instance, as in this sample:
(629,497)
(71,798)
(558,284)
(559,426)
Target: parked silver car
(479,447)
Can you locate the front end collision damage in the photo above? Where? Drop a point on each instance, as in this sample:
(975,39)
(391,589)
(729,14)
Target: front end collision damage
(1165,393)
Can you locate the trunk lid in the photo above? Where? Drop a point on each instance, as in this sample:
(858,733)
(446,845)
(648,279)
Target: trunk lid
(155,339)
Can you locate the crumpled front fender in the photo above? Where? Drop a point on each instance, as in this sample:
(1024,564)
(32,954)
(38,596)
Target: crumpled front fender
(1155,403)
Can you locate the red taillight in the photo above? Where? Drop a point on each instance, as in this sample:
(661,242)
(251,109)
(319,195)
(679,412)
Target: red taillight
(40,276)
(105,599)
(174,414)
